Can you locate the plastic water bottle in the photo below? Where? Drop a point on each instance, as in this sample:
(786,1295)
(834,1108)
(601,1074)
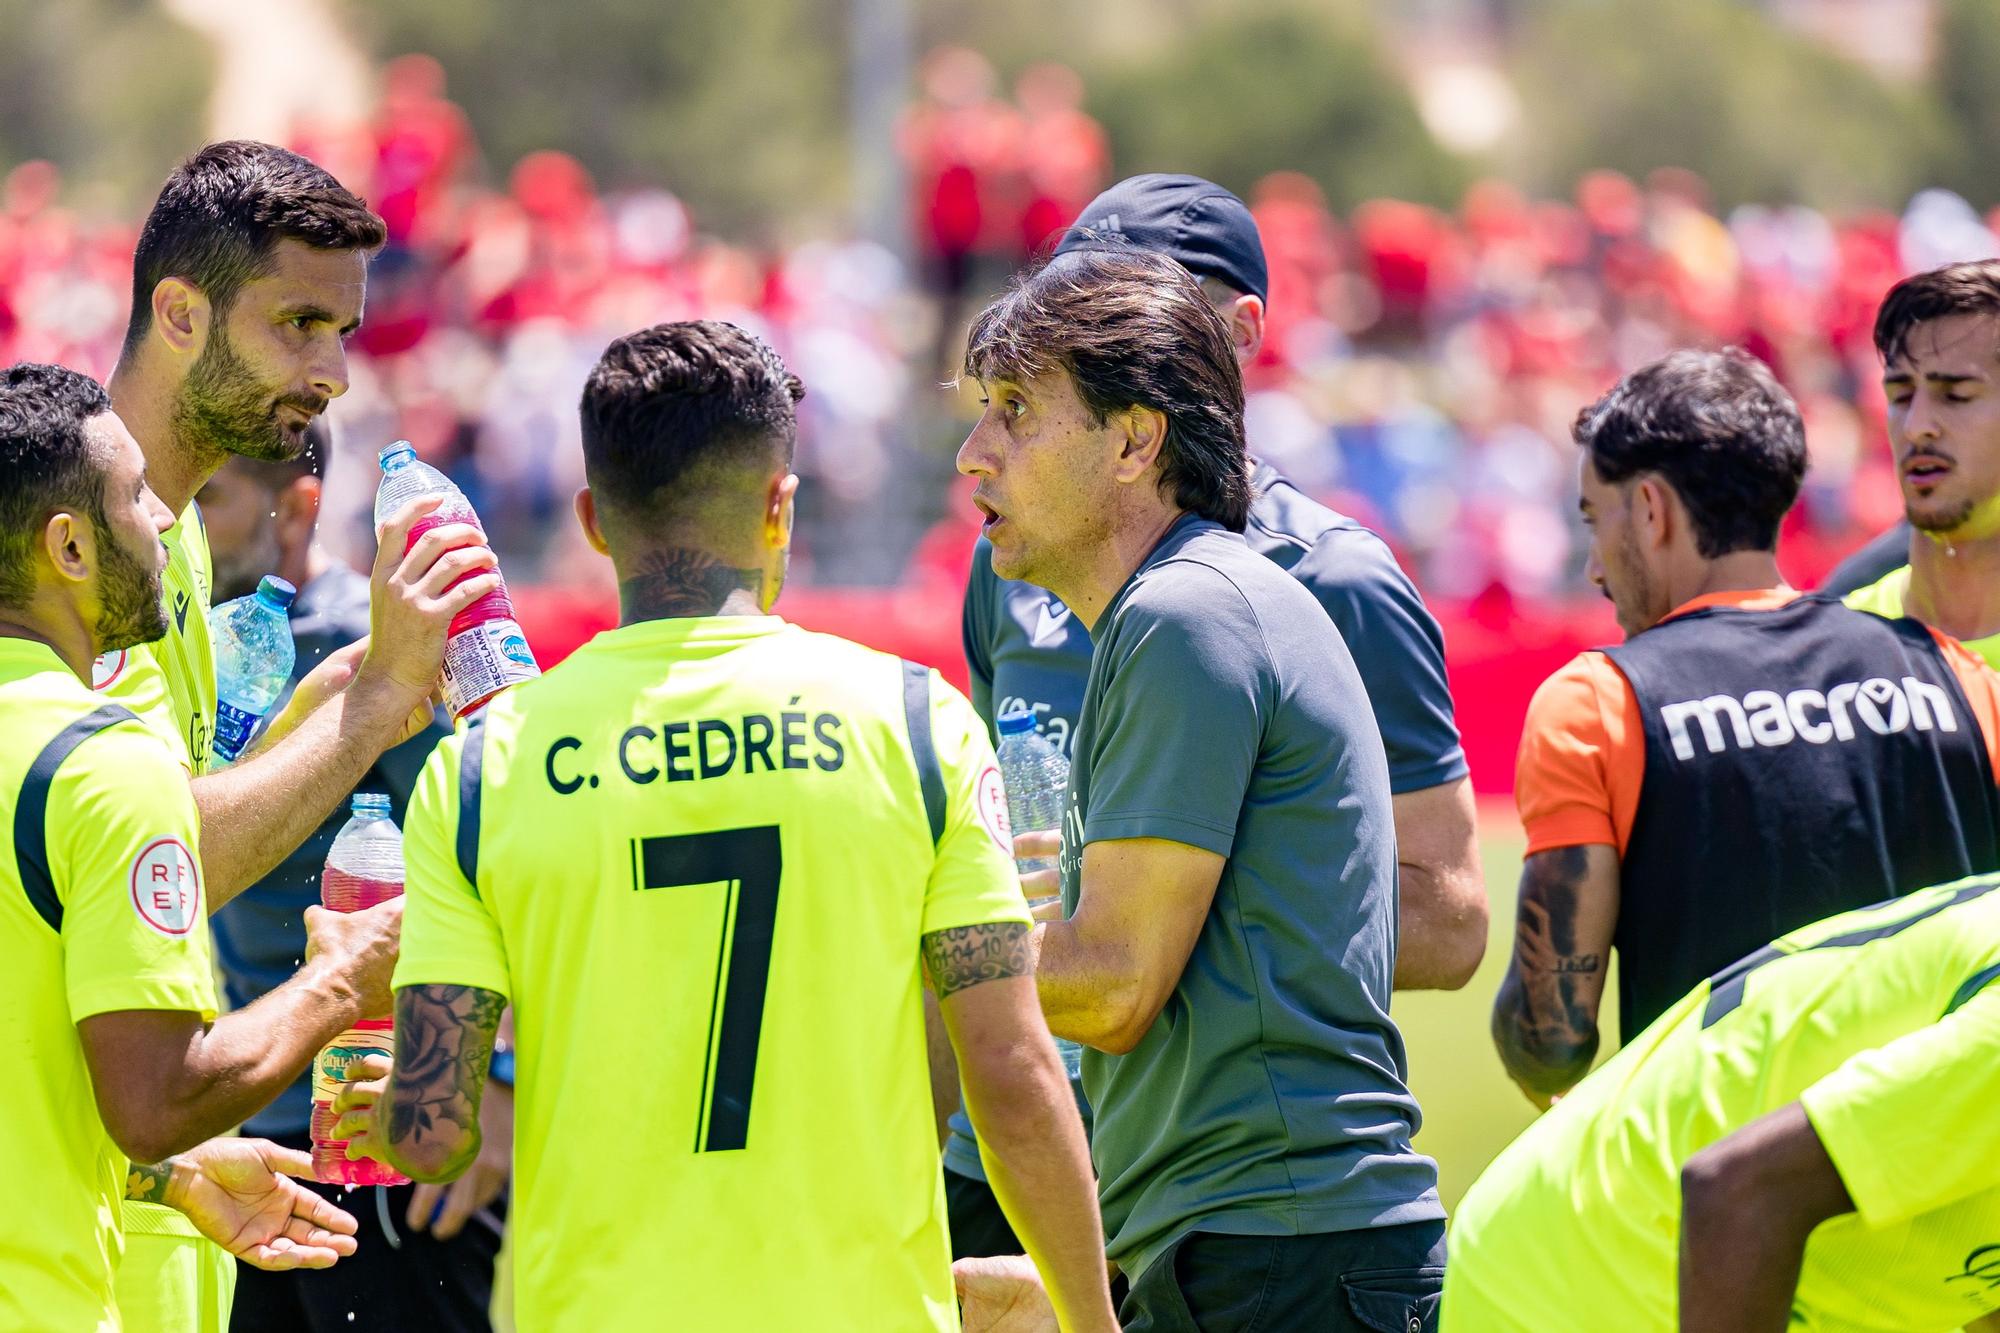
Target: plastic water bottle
(1037,778)
(253,661)
(363,867)
(486,651)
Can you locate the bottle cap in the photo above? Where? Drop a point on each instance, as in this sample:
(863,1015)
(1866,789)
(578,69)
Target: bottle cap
(1016,722)
(370,804)
(278,592)
(397,455)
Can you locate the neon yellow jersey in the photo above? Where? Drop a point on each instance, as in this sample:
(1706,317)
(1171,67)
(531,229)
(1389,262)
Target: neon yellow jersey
(705,861)
(100,910)
(170,683)
(1886,596)
(1884,1023)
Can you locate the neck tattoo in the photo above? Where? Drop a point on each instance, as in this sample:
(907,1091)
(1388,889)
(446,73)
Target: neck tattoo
(685,582)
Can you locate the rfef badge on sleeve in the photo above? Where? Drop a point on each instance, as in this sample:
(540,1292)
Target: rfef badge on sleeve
(166,887)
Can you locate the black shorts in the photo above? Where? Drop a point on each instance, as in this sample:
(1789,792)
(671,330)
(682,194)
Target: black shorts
(978,1227)
(1378,1280)
(396,1278)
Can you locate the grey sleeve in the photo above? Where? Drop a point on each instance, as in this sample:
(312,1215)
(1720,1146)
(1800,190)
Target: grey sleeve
(975,627)
(1180,721)
(1397,647)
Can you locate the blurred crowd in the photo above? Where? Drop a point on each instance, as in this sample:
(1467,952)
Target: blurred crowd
(1421,370)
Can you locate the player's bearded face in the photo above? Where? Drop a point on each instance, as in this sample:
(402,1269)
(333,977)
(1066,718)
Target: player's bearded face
(225,405)
(130,609)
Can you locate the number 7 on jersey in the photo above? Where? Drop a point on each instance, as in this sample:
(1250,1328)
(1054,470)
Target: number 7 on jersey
(748,863)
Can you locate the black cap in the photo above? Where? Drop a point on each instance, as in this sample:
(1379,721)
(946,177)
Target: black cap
(1204,227)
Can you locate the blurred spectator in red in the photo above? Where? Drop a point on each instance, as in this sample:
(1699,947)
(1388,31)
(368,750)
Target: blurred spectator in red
(1065,158)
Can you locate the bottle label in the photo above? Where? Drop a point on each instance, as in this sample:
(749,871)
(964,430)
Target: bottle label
(232,731)
(329,1069)
(484,659)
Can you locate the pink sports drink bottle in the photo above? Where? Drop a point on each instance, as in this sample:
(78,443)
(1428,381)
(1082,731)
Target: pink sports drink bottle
(486,651)
(363,867)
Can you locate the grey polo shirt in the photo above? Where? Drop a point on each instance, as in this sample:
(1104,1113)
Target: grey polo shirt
(1025,650)
(1269,1097)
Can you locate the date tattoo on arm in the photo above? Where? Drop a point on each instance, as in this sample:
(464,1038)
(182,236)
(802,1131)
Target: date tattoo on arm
(1545,1016)
(444,1042)
(967,955)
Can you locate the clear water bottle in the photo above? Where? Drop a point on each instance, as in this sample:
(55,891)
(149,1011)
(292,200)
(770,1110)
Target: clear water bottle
(486,651)
(363,867)
(253,662)
(1036,776)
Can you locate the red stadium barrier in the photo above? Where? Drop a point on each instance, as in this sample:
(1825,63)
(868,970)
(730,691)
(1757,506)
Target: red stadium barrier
(1496,650)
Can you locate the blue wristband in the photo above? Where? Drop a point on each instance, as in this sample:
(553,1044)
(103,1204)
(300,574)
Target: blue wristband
(501,1069)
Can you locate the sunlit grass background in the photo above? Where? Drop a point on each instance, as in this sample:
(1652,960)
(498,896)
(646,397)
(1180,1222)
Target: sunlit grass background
(1471,1108)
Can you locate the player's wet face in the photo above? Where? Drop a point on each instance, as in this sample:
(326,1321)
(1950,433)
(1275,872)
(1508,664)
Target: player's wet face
(277,356)
(1616,562)
(1944,425)
(131,556)
(1043,466)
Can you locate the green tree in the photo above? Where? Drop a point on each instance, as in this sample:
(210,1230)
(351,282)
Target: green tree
(1968,56)
(1760,111)
(737,108)
(113,91)
(1250,89)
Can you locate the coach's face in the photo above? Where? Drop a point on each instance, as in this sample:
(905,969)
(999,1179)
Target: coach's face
(1620,518)
(1046,474)
(1944,425)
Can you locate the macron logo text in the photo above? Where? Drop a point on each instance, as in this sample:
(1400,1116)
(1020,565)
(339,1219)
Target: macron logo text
(1766,718)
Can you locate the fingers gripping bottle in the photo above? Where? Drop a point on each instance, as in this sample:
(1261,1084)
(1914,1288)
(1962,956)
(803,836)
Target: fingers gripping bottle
(486,650)
(1037,779)
(254,654)
(363,867)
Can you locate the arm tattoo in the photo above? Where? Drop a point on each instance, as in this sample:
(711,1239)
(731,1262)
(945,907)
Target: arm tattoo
(1545,1029)
(683,582)
(967,955)
(148,1184)
(444,1040)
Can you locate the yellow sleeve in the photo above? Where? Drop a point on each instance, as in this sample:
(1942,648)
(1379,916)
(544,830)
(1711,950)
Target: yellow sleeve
(134,679)
(1886,1108)
(972,879)
(125,855)
(449,936)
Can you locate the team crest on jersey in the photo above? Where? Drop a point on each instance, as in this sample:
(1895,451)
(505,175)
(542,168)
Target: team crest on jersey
(991,798)
(166,887)
(108,667)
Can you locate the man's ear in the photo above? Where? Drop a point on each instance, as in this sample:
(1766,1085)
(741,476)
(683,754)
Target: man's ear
(1656,511)
(1245,317)
(297,510)
(779,510)
(181,315)
(70,542)
(1145,434)
(588,519)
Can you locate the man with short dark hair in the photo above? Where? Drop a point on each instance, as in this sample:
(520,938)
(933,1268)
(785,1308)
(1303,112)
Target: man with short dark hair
(1228,861)
(1024,649)
(769,839)
(122,1073)
(421,1259)
(1938,334)
(1749,760)
(248,278)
